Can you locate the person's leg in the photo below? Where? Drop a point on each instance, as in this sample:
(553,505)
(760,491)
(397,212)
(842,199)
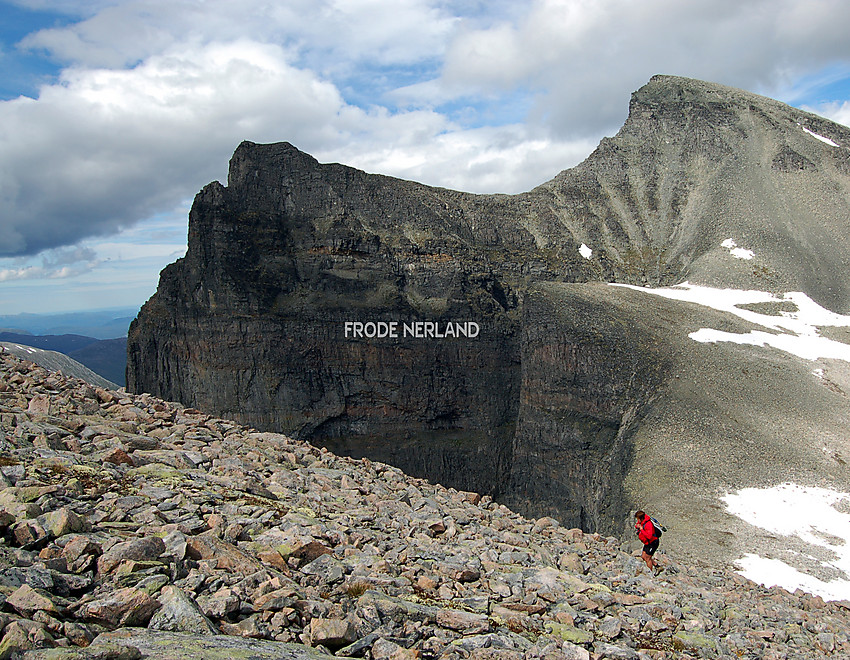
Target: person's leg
(647,556)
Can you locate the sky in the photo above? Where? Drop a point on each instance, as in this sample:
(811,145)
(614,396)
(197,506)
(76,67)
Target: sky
(114,113)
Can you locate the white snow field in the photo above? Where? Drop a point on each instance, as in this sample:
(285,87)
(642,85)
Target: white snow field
(795,332)
(819,517)
(816,517)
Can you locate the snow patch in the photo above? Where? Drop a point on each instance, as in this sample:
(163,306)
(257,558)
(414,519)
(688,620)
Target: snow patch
(813,515)
(735,251)
(585,251)
(821,137)
(808,348)
(798,330)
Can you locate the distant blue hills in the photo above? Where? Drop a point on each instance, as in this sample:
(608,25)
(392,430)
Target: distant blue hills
(97,339)
(98,324)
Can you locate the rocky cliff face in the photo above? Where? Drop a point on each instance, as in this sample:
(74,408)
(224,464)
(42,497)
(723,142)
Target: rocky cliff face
(544,407)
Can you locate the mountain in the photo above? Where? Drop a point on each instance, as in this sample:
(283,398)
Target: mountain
(100,324)
(62,343)
(138,528)
(105,357)
(56,362)
(568,396)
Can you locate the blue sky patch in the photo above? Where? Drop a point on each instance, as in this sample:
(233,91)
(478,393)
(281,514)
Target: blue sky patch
(24,71)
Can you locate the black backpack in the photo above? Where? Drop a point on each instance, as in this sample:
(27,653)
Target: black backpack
(659,528)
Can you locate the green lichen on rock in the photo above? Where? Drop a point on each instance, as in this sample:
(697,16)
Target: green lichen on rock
(568,633)
(692,641)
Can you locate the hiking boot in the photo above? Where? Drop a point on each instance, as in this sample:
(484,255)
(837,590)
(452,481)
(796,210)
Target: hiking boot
(657,570)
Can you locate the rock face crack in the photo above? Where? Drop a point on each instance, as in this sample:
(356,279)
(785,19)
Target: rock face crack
(540,406)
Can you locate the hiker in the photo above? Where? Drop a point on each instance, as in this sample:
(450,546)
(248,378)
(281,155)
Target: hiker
(645,530)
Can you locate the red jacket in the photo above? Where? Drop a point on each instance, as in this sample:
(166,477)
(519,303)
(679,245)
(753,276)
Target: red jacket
(646,530)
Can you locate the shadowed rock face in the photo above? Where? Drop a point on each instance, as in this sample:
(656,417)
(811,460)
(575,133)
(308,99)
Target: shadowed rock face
(543,406)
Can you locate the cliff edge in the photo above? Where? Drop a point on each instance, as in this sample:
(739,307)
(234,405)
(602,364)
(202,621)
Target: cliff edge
(574,398)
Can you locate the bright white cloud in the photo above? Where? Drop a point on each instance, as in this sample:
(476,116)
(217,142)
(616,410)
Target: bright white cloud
(60,263)
(327,34)
(504,159)
(106,148)
(836,111)
(117,145)
(582,56)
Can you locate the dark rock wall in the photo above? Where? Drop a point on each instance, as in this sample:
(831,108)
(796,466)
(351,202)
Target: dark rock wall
(585,381)
(540,407)
(252,322)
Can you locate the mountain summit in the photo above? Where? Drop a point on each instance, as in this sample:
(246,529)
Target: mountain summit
(314,300)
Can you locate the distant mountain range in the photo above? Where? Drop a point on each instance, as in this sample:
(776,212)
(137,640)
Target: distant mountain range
(105,357)
(55,361)
(99,324)
(95,339)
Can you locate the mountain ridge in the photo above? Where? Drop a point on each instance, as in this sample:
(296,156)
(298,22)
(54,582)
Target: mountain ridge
(106,357)
(578,400)
(56,361)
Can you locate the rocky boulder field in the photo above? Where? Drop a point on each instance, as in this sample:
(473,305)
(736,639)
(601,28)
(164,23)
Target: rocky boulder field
(134,528)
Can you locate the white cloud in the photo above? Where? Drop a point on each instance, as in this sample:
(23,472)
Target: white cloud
(330,33)
(105,148)
(61,263)
(158,93)
(117,145)
(505,159)
(836,111)
(583,57)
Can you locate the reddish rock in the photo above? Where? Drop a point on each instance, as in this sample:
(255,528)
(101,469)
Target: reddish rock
(311,551)
(27,601)
(80,553)
(226,555)
(125,607)
(39,405)
(117,456)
